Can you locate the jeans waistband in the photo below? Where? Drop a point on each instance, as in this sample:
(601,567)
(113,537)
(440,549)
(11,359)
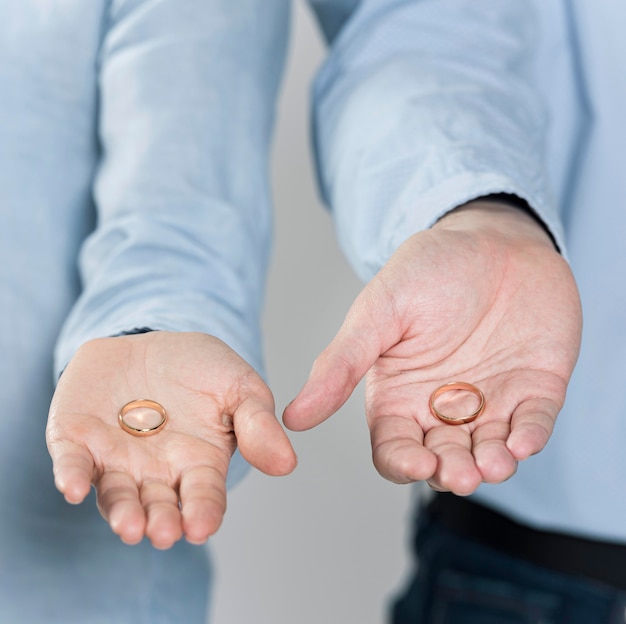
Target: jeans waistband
(602,561)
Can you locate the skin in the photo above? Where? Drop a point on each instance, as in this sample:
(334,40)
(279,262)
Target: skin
(481,297)
(172,484)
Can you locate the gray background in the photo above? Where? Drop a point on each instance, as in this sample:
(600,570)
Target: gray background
(328,543)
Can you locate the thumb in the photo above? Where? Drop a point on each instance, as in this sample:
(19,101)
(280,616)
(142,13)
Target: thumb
(340,367)
(261,439)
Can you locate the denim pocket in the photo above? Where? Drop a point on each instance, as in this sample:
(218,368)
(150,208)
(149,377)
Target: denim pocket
(459,598)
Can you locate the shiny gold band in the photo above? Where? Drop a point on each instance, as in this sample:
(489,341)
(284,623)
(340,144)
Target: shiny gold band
(142,431)
(457,385)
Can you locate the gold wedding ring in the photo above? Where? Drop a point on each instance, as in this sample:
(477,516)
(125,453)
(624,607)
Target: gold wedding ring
(449,387)
(143,423)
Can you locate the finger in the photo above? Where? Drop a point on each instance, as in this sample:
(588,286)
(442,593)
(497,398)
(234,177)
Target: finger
(398,451)
(341,366)
(335,374)
(261,439)
(164,522)
(493,459)
(73,468)
(456,470)
(531,427)
(120,506)
(203,500)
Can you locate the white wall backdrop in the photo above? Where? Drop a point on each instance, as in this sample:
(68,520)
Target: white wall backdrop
(326,545)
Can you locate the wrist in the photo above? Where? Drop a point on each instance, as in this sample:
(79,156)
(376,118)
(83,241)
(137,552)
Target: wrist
(497,215)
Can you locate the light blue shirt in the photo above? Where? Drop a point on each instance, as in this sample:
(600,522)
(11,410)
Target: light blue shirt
(145,127)
(424,105)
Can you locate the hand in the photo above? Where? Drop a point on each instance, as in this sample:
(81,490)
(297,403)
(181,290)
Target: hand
(172,483)
(482,297)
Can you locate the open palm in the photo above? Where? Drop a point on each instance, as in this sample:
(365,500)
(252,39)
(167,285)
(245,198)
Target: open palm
(482,297)
(172,483)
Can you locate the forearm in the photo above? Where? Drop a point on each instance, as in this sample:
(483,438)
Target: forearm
(184,219)
(421,108)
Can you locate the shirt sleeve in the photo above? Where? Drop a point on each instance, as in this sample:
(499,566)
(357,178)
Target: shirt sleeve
(420,107)
(187,93)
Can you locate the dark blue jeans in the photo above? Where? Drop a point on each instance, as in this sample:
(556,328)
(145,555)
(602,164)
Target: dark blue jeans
(461,581)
